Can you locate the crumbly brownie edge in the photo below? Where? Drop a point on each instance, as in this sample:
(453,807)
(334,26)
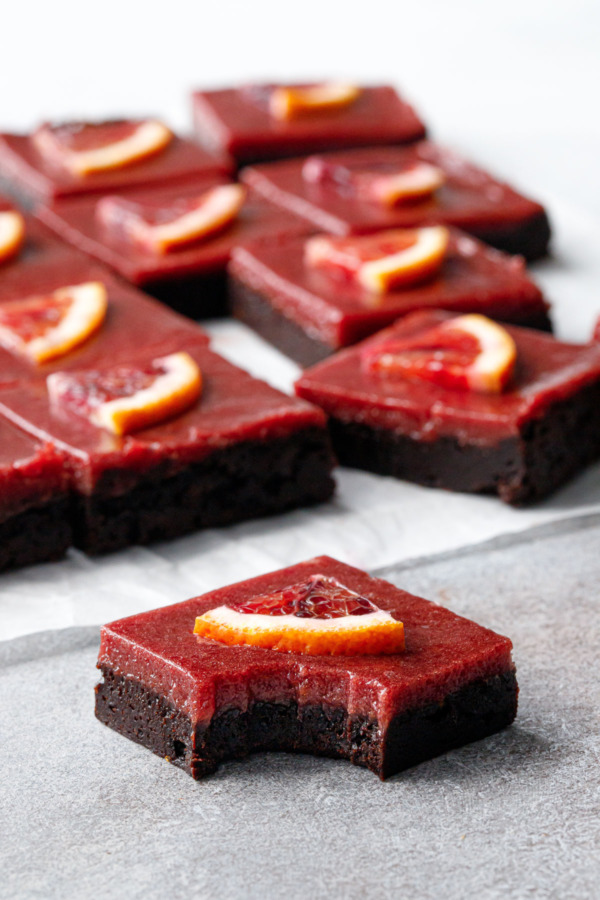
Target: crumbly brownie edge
(244,481)
(201,296)
(549,450)
(477,710)
(38,534)
(254,309)
(529,238)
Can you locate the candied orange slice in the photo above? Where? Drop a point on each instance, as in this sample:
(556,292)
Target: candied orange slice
(466,353)
(318,617)
(125,398)
(416,183)
(42,328)
(379,262)
(161,228)
(289,102)
(84,148)
(12,234)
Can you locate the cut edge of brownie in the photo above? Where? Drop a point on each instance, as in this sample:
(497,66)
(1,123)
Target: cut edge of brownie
(549,450)
(38,534)
(475,711)
(255,310)
(244,481)
(200,296)
(529,238)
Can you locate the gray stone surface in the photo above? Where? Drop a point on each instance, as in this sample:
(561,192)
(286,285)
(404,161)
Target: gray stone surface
(87,814)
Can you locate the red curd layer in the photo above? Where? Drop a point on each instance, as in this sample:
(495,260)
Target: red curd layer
(473,278)
(76,222)
(233,120)
(233,407)
(547,371)
(470,198)
(30,473)
(133,322)
(21,163)
(444,652)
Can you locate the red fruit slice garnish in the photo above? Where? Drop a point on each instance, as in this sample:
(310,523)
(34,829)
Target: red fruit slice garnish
(124,399)
(319,617)
(384,185)
(290,102)
(42,328)
(12,234)
(379,262)
(83,148)
(469,353)
(160,228)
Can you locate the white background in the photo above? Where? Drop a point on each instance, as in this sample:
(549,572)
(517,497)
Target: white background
(514,85)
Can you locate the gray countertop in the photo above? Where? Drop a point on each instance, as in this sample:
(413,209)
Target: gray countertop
(88,814)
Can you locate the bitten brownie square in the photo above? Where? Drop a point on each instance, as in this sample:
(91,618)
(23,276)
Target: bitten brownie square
(349,193)
(198,701)
(34,500)
(243,122)
(241,450)
(190,277)
(42,166)
(521,443)
(310,312)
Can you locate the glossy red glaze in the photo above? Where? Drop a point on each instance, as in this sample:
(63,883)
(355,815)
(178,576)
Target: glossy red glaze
(30,472)
(235,121)
(470,198)
(443,653)
(77,223)
(22,164)
(473,278)
(133,321)
(547,370)
(233,407)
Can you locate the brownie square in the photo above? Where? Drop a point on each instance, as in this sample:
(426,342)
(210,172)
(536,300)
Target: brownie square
(191,278)
(243,450)
(470,198)
(34,500)
(237,121)
(521,444)
(309,313)
(198,702)
(25,173)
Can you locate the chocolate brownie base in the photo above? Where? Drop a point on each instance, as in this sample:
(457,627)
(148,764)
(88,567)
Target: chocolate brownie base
(471,713)
(244,481)
(548,451)
(39,534)
(255,310)
(196,296)
(529,238)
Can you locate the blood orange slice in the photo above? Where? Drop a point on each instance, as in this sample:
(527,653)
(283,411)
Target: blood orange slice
(466,353)
(12,234)
(42,328)
(124,399)
(161,228)
(84,148)
(416,183)
(380,262)
(318,617)
(289,102)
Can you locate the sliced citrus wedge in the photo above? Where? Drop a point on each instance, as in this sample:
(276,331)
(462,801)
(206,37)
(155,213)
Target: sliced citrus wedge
(416,183)
(44,327)
(128,398)
(289,102)
(161,228)
(318,617)
(466,353)
(84,148)
(380,262)
(12,234)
